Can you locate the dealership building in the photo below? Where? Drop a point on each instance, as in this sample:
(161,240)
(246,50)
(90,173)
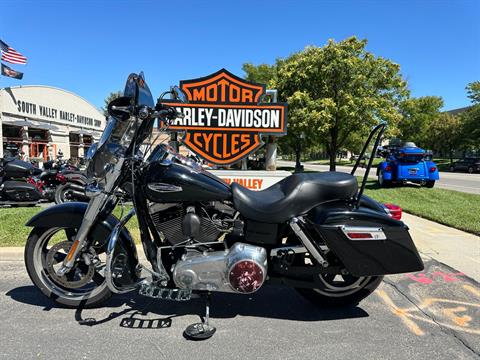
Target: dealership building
(36,122)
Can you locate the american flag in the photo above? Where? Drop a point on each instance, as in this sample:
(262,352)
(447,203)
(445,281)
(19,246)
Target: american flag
(10,55)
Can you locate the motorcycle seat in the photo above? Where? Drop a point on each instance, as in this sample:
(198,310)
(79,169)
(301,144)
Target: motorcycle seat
(292,196)
(46,173)
(73,172)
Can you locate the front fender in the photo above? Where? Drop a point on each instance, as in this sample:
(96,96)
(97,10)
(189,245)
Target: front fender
(61,215)
(71,215)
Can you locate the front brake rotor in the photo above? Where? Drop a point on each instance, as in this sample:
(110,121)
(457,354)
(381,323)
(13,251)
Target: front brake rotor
(77,277)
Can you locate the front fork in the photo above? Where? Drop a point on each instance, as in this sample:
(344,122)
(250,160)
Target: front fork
(95,205)
(99,197)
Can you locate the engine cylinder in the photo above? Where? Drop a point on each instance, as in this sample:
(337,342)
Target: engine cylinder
(241,269)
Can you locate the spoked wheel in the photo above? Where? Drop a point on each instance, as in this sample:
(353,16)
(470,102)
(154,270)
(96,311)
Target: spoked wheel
(84,285)
(341,290)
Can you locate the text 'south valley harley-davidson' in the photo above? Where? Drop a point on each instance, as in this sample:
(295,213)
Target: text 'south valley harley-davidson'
(313,232)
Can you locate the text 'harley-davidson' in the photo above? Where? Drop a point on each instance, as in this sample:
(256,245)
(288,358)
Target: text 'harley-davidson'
(314,232)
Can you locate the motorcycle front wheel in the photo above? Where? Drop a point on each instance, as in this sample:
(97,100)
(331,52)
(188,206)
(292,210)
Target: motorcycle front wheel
(84,285)
(341,290)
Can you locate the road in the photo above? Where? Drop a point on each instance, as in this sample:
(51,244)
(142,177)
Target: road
(432,315)
(469,183)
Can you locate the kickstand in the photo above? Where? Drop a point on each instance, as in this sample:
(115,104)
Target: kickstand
(203,330)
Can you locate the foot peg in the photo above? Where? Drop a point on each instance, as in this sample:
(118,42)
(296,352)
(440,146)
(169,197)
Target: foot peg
(157,292)
(203,330)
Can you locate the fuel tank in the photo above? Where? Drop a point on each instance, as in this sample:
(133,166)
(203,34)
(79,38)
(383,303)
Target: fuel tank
(175,182)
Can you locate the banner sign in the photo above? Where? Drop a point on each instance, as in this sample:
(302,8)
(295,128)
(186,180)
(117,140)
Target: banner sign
(7,71)
(224,117)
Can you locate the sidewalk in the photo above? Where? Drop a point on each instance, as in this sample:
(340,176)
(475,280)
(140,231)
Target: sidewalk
(455,248)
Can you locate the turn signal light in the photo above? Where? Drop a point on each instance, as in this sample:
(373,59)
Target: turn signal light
(388,168)
(433,168)
(395,211)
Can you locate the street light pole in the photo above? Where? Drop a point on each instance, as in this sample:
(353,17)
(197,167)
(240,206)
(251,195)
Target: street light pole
(298,153)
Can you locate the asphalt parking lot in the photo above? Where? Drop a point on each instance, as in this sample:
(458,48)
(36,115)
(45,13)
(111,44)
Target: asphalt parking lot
(430,315)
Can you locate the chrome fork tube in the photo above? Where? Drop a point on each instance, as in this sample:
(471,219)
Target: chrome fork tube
(96,204)
(94,207)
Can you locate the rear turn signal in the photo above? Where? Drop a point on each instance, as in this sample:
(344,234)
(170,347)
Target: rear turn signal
(388,168)
(433,169)
(394,211)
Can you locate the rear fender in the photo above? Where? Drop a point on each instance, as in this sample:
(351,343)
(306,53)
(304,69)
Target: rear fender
(432,175)
(367,257)
(71,215)
(387,175)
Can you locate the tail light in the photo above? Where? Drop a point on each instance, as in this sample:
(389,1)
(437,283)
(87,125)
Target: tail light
(388,168)
(433,169)
(394,211)
(60,178)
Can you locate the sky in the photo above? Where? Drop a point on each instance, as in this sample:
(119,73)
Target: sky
(90,47)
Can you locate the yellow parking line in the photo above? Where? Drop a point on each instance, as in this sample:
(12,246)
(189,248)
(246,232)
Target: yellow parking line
(471,289)
(401,313)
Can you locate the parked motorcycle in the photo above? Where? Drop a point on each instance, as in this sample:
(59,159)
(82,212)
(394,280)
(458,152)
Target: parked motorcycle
(73,188)
(314,232)
(14,188)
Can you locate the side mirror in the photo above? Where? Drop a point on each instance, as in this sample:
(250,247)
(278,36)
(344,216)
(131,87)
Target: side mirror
(179,94)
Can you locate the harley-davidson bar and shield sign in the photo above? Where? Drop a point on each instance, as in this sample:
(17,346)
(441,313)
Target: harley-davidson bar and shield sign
(224,117)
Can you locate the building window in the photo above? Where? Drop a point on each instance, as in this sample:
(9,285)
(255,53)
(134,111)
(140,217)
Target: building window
(74,140)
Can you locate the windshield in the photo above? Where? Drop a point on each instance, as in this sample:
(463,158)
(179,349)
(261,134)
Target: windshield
(410,158)
(120,130)
(137,89)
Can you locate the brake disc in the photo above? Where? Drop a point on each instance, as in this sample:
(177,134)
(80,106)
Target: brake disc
(77,277)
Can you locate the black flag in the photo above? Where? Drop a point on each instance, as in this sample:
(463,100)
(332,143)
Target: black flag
(6,71)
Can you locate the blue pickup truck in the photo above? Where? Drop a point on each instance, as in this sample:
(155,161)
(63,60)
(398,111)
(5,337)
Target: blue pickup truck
(407,163)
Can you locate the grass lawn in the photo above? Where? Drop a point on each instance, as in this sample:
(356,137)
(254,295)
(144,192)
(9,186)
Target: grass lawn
(452,208)
(448,207)
(13,231)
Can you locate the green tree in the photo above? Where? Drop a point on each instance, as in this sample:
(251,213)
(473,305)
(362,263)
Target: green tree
(110,97)
(418,116)
(471,118)
(445,134)
(262,73)
(473,91)
(337,90)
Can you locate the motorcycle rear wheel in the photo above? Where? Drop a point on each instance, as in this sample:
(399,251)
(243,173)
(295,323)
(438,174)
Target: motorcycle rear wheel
(346,293)
(42,253)
(61,194)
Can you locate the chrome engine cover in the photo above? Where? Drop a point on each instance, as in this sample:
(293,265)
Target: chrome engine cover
(240,269)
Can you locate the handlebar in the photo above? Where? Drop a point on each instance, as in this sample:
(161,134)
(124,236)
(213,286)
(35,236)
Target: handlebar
(161,111)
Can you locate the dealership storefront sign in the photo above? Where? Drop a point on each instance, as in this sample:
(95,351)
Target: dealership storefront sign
(225,116)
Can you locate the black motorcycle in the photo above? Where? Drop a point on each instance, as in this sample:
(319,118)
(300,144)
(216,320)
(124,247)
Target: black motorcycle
(73,187)
(15,189)
(314,232)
